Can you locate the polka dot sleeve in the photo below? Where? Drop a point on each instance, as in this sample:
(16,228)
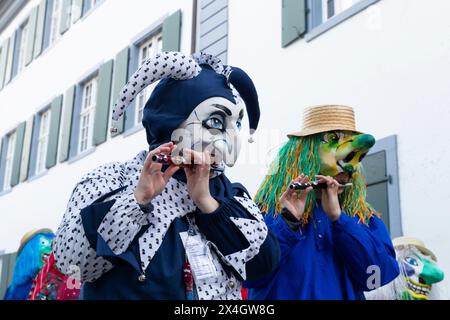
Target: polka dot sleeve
(71,246)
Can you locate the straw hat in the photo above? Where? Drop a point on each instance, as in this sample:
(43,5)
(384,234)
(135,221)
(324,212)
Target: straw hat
(318,119)
(30,234)
(409,241)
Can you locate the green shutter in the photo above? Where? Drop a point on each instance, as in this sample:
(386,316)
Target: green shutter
(11,266)
(69,99)
(119,81)
(3,59)
(66,13)
(77,10)
(40,27)
(10,58)
(20,134)
(31,35)
(171,32)
(53,135)
(26,150)
(293,20)
(103,101)
(4,262)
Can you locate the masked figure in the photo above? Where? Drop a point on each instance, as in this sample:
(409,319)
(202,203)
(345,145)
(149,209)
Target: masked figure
(168,224)
(419,274)
(51,284)
(35,247)
(330,238)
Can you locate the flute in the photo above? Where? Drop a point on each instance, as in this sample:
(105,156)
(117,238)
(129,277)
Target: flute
(315,185)
(180,161)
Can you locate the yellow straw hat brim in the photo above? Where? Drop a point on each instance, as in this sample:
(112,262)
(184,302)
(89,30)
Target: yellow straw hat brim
(409,241)
(324,118)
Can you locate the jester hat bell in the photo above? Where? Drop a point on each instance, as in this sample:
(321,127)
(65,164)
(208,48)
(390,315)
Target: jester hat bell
(186,81)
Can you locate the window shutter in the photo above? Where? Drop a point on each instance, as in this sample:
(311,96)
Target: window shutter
(40,25)
(26,150)
(3,151)
(31,35)
(86,7)
(77,8)
(69,99)
(171,32)
(53,135)
(132,67)
(10,59)
(34,145)
(11,266)
(293,21)
(3,61)
(4,265)
(47,24)
(20,134)
(213,28)
(119,81)
(103,102)
(66,12)
(75,129)
(16,52)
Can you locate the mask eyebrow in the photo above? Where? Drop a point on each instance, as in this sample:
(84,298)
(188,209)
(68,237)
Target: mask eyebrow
(223,108)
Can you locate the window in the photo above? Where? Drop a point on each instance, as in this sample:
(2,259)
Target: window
(323,15)
(56,21)
(43,141)
(331,8)
(87,115)
(22,46)
(146,50)
(9,161)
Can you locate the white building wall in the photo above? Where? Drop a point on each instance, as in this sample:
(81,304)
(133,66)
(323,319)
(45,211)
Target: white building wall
(391,62)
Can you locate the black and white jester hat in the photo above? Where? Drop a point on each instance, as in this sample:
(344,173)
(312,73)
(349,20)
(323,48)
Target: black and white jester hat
(186,81)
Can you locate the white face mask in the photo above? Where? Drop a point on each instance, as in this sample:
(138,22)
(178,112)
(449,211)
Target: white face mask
(213,126)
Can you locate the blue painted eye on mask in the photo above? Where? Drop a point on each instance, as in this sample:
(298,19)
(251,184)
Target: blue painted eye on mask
(214,123)
(407,267)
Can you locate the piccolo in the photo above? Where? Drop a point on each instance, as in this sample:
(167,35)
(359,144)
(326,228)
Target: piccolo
(180,161)
(315,185)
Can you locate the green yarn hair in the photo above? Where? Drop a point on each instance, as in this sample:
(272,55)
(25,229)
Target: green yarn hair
(301,155)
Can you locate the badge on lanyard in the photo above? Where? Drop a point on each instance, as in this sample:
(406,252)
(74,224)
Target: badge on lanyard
(198,255)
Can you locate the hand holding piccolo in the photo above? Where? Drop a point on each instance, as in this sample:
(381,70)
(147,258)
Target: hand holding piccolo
(314,184)
(180,161)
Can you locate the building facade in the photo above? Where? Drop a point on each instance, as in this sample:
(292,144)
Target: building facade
(62,63)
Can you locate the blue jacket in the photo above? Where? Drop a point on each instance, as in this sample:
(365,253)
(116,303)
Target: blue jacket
(327,260)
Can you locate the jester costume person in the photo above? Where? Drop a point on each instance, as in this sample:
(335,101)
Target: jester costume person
(419,276)
(333,244)
(156,228)
(35,247)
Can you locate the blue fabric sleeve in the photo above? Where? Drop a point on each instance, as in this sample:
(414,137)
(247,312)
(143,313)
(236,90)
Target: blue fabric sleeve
(361,246)
(219,229)
(285,238)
